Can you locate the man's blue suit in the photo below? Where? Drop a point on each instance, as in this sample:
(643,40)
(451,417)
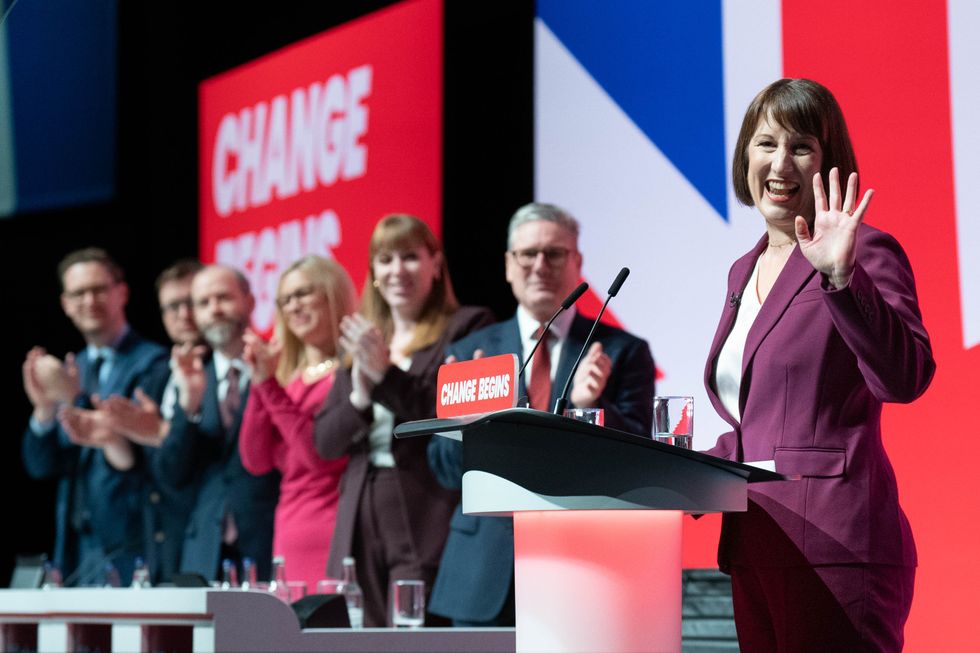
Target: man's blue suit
(477,565)
(205,455)
(98,507)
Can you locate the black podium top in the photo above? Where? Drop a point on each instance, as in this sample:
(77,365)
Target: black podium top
(527,417)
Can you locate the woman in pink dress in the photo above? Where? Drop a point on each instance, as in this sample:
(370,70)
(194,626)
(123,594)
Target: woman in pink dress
(290,378)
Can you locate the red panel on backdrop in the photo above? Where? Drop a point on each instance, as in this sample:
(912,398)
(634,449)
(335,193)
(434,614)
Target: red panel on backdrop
(303,150)
(887,63)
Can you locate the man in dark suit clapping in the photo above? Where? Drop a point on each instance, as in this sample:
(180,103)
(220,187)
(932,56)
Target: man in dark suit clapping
(233,513)
(98,471)
(475,582)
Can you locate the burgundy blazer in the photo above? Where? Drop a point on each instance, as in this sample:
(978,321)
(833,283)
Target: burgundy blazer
(817,366)
(341,429)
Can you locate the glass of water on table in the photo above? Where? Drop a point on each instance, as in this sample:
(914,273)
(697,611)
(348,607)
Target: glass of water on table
(673,420)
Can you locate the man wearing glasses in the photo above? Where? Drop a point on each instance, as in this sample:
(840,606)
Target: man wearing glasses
(543,265)
(98,471)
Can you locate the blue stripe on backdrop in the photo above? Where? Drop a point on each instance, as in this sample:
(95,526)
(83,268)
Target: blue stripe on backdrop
(667,76)
(8,171)
(62,73)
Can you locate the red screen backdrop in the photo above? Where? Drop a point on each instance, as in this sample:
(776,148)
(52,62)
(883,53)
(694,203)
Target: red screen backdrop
(894,89)
(303,150)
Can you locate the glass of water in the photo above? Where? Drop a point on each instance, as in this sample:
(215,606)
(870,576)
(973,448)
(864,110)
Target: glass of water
(673,421)
(407,603)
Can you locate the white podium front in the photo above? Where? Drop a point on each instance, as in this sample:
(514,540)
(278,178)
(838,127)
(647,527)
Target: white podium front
(597,523)
(203,620)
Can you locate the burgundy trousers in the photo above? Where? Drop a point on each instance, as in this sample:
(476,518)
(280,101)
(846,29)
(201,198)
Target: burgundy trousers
(839,608)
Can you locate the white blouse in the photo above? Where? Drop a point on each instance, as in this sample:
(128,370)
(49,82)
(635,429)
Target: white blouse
(728,368)
(379,437)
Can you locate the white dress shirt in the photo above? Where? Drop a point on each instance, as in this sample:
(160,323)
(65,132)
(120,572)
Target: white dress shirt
(528,326)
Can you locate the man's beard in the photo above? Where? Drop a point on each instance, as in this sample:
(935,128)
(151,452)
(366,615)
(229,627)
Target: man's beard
(220,333)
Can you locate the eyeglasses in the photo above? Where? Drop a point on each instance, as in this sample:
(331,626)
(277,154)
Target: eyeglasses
(175,306)
(300,294)
(98,291)
(554,256)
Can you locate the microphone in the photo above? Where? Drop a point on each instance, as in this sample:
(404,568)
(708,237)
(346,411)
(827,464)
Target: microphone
(568,301)
(613,291)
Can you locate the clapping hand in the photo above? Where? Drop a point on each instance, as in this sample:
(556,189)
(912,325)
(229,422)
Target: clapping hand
(261,356)
(364,342)
(187,361)
(86,427)
(371,356)
(832,247)
(138,420)
(49,382)
(591,377)
(91,428)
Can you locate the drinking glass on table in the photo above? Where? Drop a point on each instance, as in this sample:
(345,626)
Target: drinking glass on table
(595,416)
(673,420)
(407,603)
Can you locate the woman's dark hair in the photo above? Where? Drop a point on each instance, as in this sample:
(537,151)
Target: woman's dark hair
(802,106)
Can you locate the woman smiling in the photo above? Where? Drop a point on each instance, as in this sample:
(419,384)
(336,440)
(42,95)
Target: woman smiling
(394,515)
(290,379)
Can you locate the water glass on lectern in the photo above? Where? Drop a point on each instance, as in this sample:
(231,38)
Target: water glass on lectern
(673,420)
(595,416)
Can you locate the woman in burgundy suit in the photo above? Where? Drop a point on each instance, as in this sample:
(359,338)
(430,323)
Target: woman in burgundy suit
(289,380)
(394,515)
(821,325)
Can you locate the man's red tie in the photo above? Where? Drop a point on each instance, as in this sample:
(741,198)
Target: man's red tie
(539,388)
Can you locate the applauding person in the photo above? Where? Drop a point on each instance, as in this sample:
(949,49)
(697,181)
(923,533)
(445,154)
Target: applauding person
(290,380)
(98,471)
(393,515)
(233,510)
(475,586)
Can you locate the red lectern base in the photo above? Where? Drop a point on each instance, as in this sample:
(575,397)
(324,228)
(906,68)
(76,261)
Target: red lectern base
(598,581)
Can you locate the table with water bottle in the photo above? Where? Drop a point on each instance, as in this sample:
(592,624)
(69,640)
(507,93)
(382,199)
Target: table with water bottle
(229,615)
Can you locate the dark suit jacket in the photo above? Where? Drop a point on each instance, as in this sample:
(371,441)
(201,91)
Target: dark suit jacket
(478,561)
(818,364)
(111,497)
(205,455)
(165,508)
(342,429)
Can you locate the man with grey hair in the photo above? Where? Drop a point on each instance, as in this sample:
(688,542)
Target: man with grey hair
(543,265)
(233,514)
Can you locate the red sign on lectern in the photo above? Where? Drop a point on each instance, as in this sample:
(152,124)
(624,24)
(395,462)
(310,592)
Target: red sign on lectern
(483,385)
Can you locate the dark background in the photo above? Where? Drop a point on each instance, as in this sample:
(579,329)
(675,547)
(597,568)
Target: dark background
(164,50)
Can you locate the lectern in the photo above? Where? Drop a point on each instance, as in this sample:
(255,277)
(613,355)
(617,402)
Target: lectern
(597,522)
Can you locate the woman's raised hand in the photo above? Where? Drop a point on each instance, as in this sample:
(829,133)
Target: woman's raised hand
(832,247)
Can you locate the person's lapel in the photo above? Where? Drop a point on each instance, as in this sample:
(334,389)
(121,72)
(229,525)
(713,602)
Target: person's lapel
(210,414)
(116,383)
(506,339)
(577,334)
(796,274)
(738,278)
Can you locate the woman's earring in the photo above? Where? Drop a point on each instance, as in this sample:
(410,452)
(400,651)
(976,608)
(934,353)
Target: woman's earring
(376,283)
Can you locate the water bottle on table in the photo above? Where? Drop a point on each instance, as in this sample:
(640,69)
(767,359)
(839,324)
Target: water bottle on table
(352,594)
